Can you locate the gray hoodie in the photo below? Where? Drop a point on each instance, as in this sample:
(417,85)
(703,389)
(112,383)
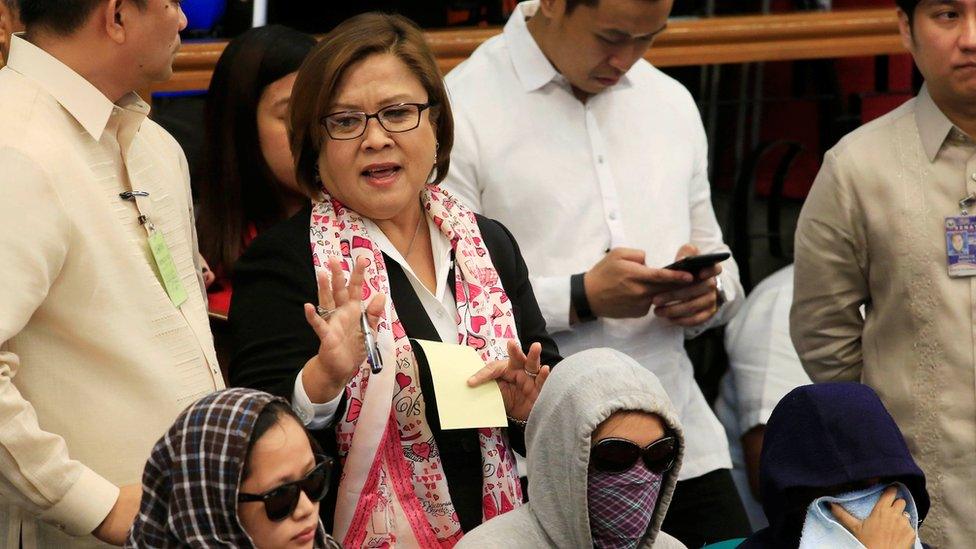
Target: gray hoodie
(582,391)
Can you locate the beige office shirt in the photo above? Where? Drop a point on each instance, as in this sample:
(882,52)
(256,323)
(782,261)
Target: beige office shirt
(95,361)
(871,233)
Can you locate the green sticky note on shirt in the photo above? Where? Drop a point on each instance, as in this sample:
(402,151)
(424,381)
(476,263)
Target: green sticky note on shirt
(166,268)
(460,406)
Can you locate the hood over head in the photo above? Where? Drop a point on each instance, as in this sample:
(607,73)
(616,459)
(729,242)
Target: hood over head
(191,480)
(581,392)
(821,437)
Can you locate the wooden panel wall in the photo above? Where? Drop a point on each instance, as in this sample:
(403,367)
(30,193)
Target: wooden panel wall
(716,40)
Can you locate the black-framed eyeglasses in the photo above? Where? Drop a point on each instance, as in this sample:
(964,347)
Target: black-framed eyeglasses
(615,455)
(280,502)
(398,118)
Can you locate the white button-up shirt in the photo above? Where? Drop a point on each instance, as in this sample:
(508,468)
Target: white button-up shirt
(95,360)
(571,180)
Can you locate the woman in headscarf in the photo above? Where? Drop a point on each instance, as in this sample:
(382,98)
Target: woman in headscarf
(238,470)
(371,135)
(835,472)
(604,450)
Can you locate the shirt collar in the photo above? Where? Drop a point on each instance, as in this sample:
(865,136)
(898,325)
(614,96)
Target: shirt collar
(933,125)
(531,65)
(78,96)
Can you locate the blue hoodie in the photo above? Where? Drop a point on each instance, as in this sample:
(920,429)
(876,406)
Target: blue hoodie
(821,437)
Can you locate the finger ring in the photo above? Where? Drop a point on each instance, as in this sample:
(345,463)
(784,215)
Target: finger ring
(530,374)
(323,312)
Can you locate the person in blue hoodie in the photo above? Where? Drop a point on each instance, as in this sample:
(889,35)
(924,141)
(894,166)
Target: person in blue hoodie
(835,472)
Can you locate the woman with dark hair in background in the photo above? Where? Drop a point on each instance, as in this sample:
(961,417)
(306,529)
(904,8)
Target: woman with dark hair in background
(247,181)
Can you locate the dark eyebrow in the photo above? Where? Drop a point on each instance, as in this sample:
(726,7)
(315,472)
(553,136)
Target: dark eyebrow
(617,33)
(937,3)
(393,99)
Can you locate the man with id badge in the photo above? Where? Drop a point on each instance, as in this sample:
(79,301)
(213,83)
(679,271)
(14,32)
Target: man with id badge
(104,337)
(890,225)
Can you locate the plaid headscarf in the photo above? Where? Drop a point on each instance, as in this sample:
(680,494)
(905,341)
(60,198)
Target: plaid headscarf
(191,480)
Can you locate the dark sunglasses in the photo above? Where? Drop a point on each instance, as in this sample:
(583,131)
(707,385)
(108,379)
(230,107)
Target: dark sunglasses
(615,455)
(280,502)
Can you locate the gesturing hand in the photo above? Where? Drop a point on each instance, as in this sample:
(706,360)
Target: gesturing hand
(341,349)
(520,378)
(887,527)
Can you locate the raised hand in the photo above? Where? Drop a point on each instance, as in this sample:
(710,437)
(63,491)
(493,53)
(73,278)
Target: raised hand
(887,527)
(520,378)
(342,349)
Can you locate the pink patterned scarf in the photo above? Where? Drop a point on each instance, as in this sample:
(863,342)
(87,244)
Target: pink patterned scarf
(393,491)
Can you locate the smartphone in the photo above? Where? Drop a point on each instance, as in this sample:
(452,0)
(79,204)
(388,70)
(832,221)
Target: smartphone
(695,263)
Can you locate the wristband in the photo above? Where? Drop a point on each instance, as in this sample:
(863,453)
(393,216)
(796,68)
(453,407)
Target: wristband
(577,296)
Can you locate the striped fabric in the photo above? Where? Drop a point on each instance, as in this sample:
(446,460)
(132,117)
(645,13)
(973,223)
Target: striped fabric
(191,480)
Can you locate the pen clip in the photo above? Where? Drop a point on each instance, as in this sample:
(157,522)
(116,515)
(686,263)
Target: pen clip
(373,355)
(131,195)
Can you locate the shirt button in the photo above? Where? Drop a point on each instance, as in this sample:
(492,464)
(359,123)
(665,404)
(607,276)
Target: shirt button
(973,176)
(440,314)
(599,160)
(613,216)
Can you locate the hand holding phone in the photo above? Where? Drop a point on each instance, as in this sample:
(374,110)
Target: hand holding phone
(694,264)
(697,302)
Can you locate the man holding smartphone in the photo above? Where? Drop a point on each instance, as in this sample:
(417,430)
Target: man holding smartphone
(597,163)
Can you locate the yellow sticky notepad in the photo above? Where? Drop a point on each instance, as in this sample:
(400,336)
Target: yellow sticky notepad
(460,406)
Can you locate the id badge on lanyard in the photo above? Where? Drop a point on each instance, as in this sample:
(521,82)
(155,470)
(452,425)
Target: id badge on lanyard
(162,258)
(960,240)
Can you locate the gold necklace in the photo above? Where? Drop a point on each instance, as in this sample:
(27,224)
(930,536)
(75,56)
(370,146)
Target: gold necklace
(415,233)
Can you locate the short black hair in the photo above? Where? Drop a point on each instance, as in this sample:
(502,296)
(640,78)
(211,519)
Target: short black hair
(908,6)
(571,5)
(62,17)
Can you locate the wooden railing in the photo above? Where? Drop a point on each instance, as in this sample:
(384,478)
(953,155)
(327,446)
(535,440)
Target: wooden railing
(714,40)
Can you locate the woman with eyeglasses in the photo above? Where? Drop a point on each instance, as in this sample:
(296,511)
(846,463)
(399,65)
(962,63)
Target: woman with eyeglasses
(236,469)
(605,448)
(383,247)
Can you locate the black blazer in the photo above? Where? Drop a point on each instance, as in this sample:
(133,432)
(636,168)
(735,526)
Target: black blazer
(272,340)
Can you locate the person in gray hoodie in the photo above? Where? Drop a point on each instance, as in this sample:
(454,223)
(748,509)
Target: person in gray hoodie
(604,449)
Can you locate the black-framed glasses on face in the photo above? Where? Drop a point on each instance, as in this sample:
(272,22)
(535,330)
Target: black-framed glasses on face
(398,118)
(615,455)
(280,501)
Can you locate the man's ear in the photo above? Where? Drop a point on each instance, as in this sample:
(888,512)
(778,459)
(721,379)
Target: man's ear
(552,8)
(905,30)
(113,19)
